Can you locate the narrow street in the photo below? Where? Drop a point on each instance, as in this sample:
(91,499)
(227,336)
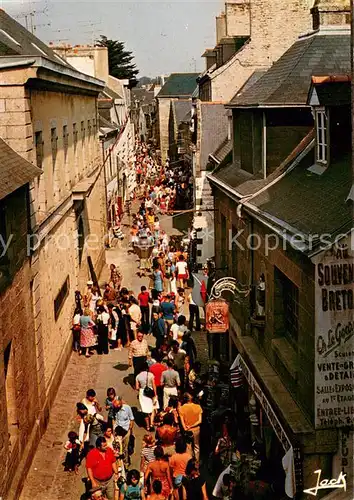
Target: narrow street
(46,479)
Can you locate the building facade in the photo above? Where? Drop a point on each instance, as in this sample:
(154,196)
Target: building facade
(48,116)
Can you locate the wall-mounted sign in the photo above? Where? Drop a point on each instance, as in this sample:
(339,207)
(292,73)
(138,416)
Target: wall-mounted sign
(217,316)
(334,337)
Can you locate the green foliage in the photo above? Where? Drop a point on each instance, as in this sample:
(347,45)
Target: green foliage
(119,59)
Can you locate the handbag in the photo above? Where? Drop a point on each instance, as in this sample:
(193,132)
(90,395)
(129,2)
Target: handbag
(148,391)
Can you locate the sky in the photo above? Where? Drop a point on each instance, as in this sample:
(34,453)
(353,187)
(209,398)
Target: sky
(165,37)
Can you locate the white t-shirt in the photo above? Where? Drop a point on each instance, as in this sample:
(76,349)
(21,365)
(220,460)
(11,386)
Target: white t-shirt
(182,267)
(174,330)
(219,486)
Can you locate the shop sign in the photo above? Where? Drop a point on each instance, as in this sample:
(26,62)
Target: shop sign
(217,316)
(334,337)
(343,461)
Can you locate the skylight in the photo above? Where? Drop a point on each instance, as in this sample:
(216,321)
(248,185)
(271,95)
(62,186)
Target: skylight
(60,59)
(39,49)
(9,37)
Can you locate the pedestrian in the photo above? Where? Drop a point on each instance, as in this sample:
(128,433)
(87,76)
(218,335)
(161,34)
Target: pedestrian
(144,299)
(87,335)
(76,329)
(132,490)
(159,470)
(166,434)
(189,347)
(170,381)
(145,385)
(179,329)
(91,402)
(193,313)
(158,278)
(178,355)
(114,330)
(135,316)
(194,379)
(147,452)
(178,463)
(138,352)
(157,370)
(102,468)
(116,277)
(168,310)
(179,300)
(191,417)
(72,459)
(102,320)
(124,424)
(194,484)
(111,395)
(157,491)
(109,294)
(182,271)
(158,328)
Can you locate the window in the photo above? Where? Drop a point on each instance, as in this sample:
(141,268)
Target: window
(54,143)
(39,49)
(83,133)
(89,130)
(10,37)
(75,136)
(286,306)
(60,298)
(322,136)
(38,138)
(65,141)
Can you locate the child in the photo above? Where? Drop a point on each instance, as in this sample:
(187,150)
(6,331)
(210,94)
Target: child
(111,395)
(157,491)
(72,459)
(132,490)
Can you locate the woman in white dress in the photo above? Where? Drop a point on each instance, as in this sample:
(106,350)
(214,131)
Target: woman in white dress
(148,403)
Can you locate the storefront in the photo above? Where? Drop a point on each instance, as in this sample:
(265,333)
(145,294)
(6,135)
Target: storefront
(282,457)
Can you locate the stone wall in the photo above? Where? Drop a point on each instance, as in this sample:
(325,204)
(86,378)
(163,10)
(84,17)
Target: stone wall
(164,104)
(274,27)
(237,18)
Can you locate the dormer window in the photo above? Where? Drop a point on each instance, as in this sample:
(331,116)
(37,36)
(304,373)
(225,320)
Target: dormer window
(321,136)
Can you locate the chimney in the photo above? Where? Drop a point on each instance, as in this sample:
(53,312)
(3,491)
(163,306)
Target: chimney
(330,13)
(238,17)
(220,27)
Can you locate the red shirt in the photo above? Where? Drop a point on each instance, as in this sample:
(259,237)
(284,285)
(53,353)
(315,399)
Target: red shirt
(157,369)
(143,298)
(101,463)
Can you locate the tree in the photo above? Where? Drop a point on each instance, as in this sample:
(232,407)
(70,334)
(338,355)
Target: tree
(119,60)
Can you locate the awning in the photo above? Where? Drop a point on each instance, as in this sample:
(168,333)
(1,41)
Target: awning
(15,171)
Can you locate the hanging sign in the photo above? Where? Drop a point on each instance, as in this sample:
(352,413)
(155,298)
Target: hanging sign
(334,337)
(217,316)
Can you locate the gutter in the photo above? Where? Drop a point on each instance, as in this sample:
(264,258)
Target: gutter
(26,62)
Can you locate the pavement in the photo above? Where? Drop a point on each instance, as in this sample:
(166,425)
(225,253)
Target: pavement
(46,479)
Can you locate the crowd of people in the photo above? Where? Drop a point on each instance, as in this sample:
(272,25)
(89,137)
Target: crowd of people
(189,427)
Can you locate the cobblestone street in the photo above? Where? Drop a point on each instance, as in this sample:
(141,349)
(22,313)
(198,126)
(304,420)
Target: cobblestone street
(46,479)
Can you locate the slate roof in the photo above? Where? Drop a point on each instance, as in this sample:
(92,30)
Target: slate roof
(143,96)
(287,82)
(179,84)
(323,208)
(16,40)
(214,125)
(181,109)
(112,93)
(15,171)
(222,150)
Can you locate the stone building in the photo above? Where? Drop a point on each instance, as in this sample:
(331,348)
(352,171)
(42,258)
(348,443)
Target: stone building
(48,114)
(250,35)
(178,87)
(281,204)
(117,132)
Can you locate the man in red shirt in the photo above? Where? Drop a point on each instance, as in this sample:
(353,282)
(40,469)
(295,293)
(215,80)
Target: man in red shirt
(144,298)
(157,369)
(102,468)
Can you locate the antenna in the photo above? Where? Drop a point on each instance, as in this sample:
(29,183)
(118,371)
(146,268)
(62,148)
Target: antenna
(93,31)
(29,17)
